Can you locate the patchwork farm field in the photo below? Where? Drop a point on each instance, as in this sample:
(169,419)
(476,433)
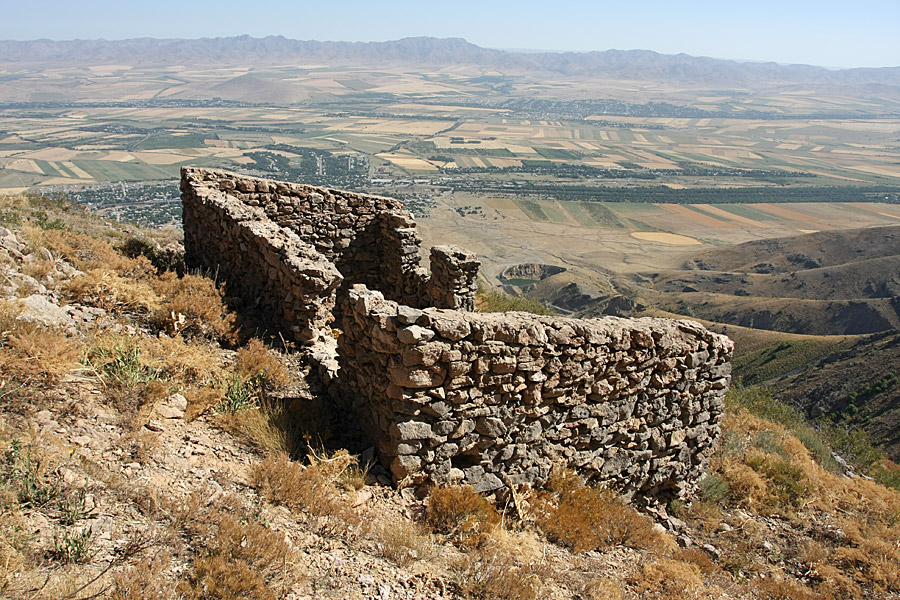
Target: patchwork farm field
(509,165)
(105,123)
(598,240)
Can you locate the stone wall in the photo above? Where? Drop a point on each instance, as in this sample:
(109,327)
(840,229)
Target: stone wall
(448,395)
(493,399)
(287,279)
(369,239)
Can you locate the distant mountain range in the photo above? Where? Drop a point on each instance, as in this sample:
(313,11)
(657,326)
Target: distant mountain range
(426,51)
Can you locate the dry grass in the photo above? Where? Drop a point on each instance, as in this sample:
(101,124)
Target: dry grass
(263,427)
(402,542)
(255,361)
(194,307)
(144,580)
(277,426)
(202,399)
(112,292)
(238,561)
(585,518)
(308,489)
(501,571)
(667,578)
(190,305)
(462,513)
(847,531)
(132,382)
(139,445)
(233,557)
(32,353)
(184,363)
(604,588)
(88,252)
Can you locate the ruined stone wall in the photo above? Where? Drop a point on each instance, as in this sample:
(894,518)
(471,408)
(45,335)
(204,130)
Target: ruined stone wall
(450,395)
(288,280)
(370,239)
(492,399)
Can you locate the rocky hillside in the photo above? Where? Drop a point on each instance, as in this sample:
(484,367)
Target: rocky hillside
(856,386)
(156,444)
(826,283)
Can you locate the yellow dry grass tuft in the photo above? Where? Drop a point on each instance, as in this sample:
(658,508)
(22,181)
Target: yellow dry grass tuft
(307,488)
(667,578)
(585,518)
(112,292)
(497,570)
(144,580)
(255,361)
(240,560)
(462,513)
(193,306)
(32,353)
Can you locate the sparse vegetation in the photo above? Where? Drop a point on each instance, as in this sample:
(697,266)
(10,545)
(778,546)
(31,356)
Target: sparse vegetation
(497,301)
(782,519)
(461,513)
(585,518)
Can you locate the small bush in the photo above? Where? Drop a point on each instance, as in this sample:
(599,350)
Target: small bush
(122,364)
(73,545)
(310,488)
(164,259)
(72,506)
(356,475)
(761,402)
(45,222)
(459,511)
(818,448)
(193,306)
(239,561)
(714,489)
(787,485)
(887,473)
(27,475)
(257,363)
(585,518)
(239,394)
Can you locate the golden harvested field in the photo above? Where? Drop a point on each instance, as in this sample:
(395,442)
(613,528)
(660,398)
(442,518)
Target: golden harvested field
(691,215)
(671,239)
(408,162)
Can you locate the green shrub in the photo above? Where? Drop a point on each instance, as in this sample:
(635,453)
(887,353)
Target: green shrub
(73,545)
(714,489)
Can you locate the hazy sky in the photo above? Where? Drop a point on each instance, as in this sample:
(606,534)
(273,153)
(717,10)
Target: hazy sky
(823,32)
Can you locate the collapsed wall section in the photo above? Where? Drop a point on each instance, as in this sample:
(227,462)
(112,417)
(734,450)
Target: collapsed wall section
(497,399)
(370,239)
(289,281)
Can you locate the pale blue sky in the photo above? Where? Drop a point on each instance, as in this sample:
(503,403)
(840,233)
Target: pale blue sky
(839,34)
